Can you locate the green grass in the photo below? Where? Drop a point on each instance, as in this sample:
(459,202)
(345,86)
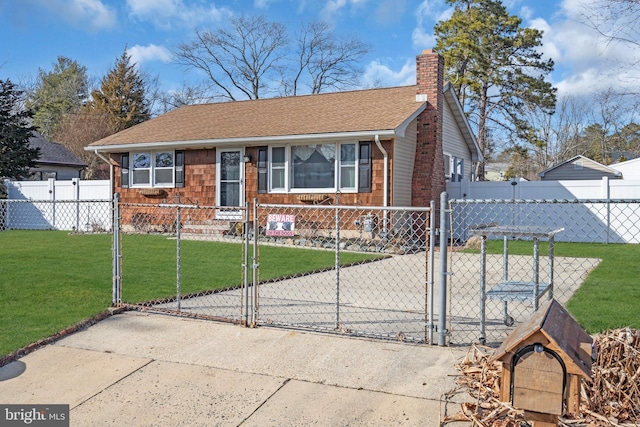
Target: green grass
(50,280)
(149,264)
(610,296)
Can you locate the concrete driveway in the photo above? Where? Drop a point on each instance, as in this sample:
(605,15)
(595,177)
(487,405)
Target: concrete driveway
(142,369)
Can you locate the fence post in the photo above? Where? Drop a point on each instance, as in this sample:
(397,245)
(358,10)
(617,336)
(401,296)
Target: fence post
(52,197)
(442,313)
(431,270)
(337,265)
(245,262)
(255,265)
(117,285)
(178,261)
(76,196)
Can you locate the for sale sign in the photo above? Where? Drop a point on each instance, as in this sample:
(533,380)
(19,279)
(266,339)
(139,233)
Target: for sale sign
(281,225)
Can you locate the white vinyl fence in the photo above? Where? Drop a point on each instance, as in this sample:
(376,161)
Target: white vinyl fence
(73,205)
(545,190)
(603,211)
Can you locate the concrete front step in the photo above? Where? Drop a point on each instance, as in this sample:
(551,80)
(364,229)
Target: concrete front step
(217,227)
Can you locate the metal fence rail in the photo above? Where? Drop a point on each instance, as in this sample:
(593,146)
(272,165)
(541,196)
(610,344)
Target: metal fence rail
(375,282)
(491,293)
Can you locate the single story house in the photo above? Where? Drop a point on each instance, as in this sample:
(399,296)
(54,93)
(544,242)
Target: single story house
(579,168)
(392,146)
(55,160)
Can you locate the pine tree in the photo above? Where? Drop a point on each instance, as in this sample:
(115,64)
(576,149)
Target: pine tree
(15,131)
(121,96)
(58,92)
(497,70)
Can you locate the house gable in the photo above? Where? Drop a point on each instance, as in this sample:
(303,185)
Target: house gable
(579,168)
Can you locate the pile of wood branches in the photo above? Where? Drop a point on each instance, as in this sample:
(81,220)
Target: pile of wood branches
(614,392)
(612,398)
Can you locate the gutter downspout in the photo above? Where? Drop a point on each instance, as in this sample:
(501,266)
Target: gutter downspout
(106,160)
(385,201)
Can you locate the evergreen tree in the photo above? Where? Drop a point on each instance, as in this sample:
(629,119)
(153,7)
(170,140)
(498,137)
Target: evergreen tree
(496,69)
(58,92)
(15,131)
(122,96)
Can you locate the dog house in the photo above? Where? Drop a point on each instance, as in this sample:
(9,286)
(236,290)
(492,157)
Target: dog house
(543,360)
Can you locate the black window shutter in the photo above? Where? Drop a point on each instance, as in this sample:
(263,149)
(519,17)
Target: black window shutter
(124,170)
(263,169)
(179,168)
(364,167)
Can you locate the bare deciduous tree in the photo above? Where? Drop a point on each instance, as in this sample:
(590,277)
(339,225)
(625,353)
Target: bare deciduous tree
(255,56)
(616,20)
(239,62)
(76,131)
(327,60)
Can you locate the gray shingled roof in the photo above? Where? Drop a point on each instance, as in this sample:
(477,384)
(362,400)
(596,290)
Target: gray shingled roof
(52,153)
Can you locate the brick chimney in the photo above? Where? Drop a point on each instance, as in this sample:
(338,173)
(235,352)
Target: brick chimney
(428,170)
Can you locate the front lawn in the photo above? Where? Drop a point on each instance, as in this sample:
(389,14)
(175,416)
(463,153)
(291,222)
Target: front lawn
(50,280)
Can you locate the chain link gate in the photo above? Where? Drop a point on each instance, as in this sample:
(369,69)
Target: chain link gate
(183,259)
(362,271)
(523,234)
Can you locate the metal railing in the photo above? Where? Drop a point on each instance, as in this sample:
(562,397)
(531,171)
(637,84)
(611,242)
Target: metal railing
(493,291)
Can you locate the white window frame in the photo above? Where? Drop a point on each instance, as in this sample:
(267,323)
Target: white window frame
(152,170)
(353,166)
(285,168)
(448,165)
(288,168)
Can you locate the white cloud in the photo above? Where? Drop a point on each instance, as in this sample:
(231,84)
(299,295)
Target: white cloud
(86,13)
(174,13)
(525,13)
(428,13)
(262,4)
(334,7)
(140,54)
(585,62)
(381,75)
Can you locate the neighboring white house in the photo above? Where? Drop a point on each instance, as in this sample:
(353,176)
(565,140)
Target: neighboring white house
(629,169)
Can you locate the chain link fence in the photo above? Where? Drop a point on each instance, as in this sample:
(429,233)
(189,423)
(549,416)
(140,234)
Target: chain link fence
(513,265)
(182,258)
(360,271)
(83,216)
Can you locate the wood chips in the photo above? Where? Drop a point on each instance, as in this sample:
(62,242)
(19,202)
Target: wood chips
(612,398)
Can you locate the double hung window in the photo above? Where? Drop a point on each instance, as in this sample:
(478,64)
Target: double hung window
(153,169)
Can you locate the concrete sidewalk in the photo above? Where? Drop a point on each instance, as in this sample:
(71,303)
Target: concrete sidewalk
(141,369)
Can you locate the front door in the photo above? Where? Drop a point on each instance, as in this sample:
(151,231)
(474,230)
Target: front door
(230,181)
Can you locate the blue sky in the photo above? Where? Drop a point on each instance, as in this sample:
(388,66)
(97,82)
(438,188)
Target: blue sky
(95,33)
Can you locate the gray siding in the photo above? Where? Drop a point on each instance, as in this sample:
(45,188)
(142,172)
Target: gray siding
(453,143)
(404,154)
(573,171)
